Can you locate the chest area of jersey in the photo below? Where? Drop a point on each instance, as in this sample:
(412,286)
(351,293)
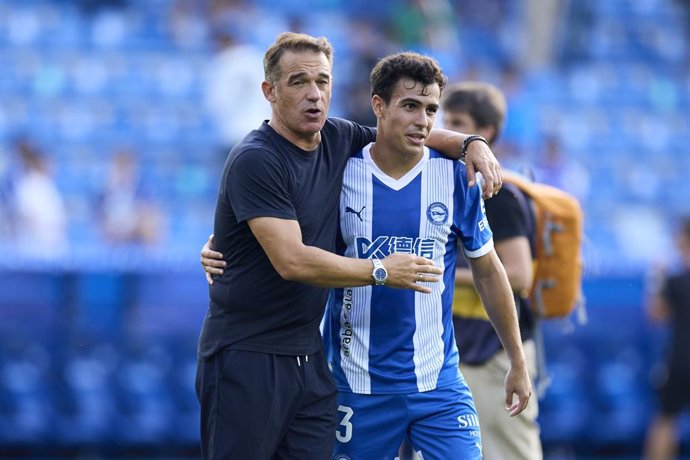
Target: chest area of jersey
(378,220)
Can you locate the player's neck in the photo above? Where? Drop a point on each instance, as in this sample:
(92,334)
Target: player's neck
(391,162)
(307,142)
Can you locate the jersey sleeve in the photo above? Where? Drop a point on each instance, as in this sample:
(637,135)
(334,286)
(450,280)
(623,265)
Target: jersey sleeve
(470,217)
(256,186)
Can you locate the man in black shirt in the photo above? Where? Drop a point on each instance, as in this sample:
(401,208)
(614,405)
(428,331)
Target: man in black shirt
(263,383)
(481,108)
(670,302)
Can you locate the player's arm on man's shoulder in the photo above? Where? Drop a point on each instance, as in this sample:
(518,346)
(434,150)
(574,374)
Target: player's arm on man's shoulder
(281,239)
(493,288)
(479,158)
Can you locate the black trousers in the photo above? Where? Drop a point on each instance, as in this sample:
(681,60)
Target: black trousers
(257,406)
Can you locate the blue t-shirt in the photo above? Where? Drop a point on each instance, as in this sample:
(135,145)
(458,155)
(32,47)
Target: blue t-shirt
(381,340)
(251,306)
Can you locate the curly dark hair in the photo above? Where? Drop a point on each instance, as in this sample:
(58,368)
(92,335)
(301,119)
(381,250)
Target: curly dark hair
(419,68)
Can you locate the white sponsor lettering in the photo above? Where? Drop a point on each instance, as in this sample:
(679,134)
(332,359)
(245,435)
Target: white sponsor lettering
(468,420)
(346,331)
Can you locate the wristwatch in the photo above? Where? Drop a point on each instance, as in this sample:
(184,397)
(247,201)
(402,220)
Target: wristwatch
(380,274)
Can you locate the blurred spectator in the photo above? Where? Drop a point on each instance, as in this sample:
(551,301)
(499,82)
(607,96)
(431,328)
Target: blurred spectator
(6,191)
(425,23)
(224,12)
(670,302)
(577,31)
(187,25)
(369,45)
(128,214)
(94,6)
(685,6)
(409,23)
(39,210)
(521,124)
(543,20)
(558,169)
(232,95)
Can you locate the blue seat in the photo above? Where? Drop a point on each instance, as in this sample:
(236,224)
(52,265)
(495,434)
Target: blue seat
(181,381)
(86,399)
(168,305)
(26,399)
(145,404)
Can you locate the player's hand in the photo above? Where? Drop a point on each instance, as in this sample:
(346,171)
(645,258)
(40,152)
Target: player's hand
(518,390)
(408,271)
(481,159)
(211,260)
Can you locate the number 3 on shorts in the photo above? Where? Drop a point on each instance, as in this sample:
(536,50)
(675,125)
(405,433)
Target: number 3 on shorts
(345,422)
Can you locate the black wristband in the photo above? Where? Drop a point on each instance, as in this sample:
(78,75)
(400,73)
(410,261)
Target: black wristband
(466,144)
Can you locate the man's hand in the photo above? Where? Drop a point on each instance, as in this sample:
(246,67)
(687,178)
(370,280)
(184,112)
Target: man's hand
(518,390)
(407,271)
(211,260)
(480,158)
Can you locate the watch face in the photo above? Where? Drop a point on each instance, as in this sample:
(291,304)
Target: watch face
(380,274)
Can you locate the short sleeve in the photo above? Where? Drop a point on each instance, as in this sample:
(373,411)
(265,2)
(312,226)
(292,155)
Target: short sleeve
(257,186)
(506,215)
(475,233)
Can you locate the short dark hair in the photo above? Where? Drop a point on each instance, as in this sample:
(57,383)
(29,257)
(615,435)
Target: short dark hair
(291,41)
(389,70)
(484,102)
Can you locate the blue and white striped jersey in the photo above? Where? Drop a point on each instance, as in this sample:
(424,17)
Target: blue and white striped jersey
(381,340)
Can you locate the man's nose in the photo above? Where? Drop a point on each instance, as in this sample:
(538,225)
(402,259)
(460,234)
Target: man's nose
(313,92)
(422,119)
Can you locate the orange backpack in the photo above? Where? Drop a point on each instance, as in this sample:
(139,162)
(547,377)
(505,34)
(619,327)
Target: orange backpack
(558,233)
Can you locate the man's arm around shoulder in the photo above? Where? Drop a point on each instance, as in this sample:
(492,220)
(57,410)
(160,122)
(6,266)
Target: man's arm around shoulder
(281,239)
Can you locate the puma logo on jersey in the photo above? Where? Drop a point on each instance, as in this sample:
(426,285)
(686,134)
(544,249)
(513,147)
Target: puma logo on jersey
(352,211)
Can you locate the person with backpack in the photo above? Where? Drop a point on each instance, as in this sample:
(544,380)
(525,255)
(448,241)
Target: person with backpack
(480,108)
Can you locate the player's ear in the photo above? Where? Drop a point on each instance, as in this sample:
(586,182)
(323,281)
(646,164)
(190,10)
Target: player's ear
(377,105)
(269,91)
